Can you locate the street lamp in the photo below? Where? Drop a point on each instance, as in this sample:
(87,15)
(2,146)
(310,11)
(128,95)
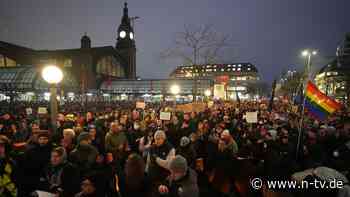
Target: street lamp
(307,54)
(175,90)
(52,75)
(207,93)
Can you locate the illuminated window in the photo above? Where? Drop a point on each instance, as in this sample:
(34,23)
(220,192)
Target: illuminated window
(249,69)
(233,69)
(238,69)
(67,63)
(7,62)
(234,65)
(239,65)
(214,70)
(2,61)
(229,65)
(222,70)
(229,69)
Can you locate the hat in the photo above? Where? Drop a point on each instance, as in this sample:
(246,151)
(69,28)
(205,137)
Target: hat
(83,136)
(184,141)
(179,163)
(92,126)
(4,139)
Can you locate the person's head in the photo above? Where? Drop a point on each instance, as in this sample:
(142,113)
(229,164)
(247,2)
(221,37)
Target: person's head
(35,126)
(187,117)
(43,139)
(89,116)
(159,138)
(84,138)
(6,116)
(225,135)
(88,186)
(13,127)
(4,145)
(115,127)
(200,126)
(68,134)
(58,156)
(226,119)
(135,166)
(178,167)
(92,131)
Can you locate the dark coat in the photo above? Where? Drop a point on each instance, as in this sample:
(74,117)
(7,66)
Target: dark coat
(185,187)
(68,179)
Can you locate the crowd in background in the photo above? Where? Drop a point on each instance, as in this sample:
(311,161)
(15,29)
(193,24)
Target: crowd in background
(113,149)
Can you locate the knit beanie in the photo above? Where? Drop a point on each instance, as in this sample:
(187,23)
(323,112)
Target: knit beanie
(184,141)
(83,136)
(179,163)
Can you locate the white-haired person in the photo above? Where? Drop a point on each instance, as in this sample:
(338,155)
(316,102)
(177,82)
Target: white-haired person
(67,141)
(159,157)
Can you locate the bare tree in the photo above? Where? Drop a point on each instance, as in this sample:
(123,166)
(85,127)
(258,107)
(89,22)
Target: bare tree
(198,45)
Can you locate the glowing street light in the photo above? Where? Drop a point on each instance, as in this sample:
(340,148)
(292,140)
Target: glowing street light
(175,89)
(207,93)
(52,75)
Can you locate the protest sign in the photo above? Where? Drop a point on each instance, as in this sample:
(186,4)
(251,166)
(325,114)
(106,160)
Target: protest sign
(140,105)
(29,111)
(251,117)
(42,110)
(165,115)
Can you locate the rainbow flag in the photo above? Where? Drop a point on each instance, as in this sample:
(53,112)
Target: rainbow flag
(318,104)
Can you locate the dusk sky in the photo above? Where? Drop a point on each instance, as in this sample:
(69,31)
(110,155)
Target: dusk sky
(267,33)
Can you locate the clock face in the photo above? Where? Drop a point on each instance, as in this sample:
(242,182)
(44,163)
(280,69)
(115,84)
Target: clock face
(131,35)
(122,34)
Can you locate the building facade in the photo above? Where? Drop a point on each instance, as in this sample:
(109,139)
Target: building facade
(88,66)
(334,78)
(238,77)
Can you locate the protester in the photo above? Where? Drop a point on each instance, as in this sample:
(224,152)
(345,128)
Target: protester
(60,177)
(183,180)
(8,185)
(218,142)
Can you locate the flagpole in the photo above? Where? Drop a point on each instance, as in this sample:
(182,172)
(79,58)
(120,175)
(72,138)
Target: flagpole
(307,54)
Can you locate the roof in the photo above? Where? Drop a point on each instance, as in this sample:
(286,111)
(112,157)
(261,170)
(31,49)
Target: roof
(28,78)
(335,66)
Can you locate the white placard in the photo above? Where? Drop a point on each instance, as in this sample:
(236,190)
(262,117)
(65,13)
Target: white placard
(29,111)
(251,117)
(219,91)
(165,115)
(44,194)
(140,105)
(42,110)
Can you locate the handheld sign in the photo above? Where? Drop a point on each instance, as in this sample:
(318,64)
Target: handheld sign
(42,110)
(165,115)
(251,117)
(29,111)
(140,105)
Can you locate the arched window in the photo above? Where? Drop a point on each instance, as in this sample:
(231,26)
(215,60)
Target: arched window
(110,66)
(7,62)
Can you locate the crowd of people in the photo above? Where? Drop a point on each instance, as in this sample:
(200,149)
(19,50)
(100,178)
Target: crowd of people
(116,150)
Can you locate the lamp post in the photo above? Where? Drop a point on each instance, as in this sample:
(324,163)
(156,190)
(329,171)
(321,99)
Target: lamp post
(52,75)
(307,54)
(175,90)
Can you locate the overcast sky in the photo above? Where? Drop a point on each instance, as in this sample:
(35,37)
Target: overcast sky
(267,33)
